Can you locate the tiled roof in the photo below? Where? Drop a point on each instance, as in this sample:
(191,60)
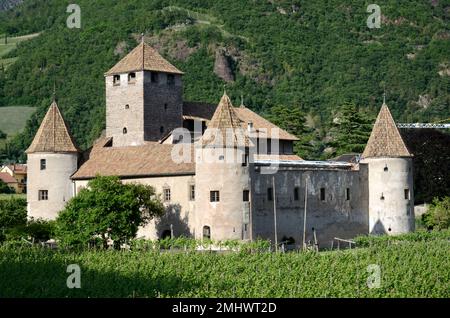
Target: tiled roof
(225,127)
(143,58)
(271,157)
(7,178)
(385,139)
(150,159)
(262,127)
(53,135)
(18,168)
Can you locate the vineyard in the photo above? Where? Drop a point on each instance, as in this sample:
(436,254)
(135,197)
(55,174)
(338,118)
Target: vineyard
(409,268)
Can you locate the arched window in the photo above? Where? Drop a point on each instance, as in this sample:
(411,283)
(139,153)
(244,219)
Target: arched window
(124,130)
(127,106)
(116,80)
(206,232)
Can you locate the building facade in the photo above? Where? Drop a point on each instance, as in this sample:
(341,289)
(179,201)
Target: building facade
(223,172)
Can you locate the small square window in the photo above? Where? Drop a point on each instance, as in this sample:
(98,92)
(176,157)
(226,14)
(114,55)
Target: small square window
(154,77)
(116,80)
(406,192)
(245,195)
(170,79)
(43,164)
(206,232)
(132,78)
(43,195)
(214,196)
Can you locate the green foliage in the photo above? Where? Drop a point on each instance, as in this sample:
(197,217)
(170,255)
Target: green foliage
(292,119)
(4,188)
(13,212)
(34,230)
(3,135)
(321,54)
(350,130)
(107,209)
(418,236)
(411,269)
(438,214)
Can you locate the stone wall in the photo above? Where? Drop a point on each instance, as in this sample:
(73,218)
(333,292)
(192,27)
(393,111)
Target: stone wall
(335,216)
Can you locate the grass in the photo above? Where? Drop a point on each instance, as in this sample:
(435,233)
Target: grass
(407,269)
(10,46)
(13,118)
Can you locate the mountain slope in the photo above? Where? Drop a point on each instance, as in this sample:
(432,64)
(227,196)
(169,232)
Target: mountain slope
(306,54)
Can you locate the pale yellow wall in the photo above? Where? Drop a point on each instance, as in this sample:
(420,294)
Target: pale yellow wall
(179,208)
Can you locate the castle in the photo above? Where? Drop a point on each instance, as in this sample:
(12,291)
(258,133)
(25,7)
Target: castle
(241,179)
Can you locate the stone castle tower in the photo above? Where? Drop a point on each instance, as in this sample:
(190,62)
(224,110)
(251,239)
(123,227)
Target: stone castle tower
(222,177)
(391,195)
(52,159)
(143,98)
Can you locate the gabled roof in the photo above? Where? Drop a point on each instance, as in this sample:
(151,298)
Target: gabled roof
(7,178)
(150,159)
(224,128)
(143,58)
(261,127)
(385,139)
(53,135)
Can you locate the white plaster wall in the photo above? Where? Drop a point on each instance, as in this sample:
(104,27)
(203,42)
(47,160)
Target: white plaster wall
(395,214)
(226,217)
(55,178)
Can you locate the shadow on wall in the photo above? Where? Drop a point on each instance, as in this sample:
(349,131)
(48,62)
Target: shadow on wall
(378,228)
(180,225)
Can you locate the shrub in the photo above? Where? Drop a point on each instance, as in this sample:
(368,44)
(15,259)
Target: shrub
(438,214)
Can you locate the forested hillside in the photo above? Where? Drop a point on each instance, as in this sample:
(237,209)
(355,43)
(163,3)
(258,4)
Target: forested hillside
(316,60)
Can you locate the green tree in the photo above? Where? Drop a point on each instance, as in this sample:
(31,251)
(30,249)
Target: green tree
(292,119)
(438,214)
(350,130)
(107,209)
(13,212)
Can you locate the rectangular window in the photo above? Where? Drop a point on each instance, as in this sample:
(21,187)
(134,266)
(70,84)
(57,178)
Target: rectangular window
(43,195)
(214,196)
(170,79)
(43,164)
(270,194)
(154,77)
(347,194)
(167,195)
(406,194)
(322,194)
(191,192)
(116,80)
(245,195)
(296,194)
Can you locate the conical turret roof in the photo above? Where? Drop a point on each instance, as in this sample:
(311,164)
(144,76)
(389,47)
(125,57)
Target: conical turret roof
(143,58)
(385,139)
(225,127)
(53,135)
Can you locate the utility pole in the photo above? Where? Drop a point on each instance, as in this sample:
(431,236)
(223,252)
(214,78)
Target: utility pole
(304,214)
(275,213)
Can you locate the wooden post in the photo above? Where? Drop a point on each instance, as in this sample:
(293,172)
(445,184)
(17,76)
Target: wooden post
(275,213)
(304,214)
